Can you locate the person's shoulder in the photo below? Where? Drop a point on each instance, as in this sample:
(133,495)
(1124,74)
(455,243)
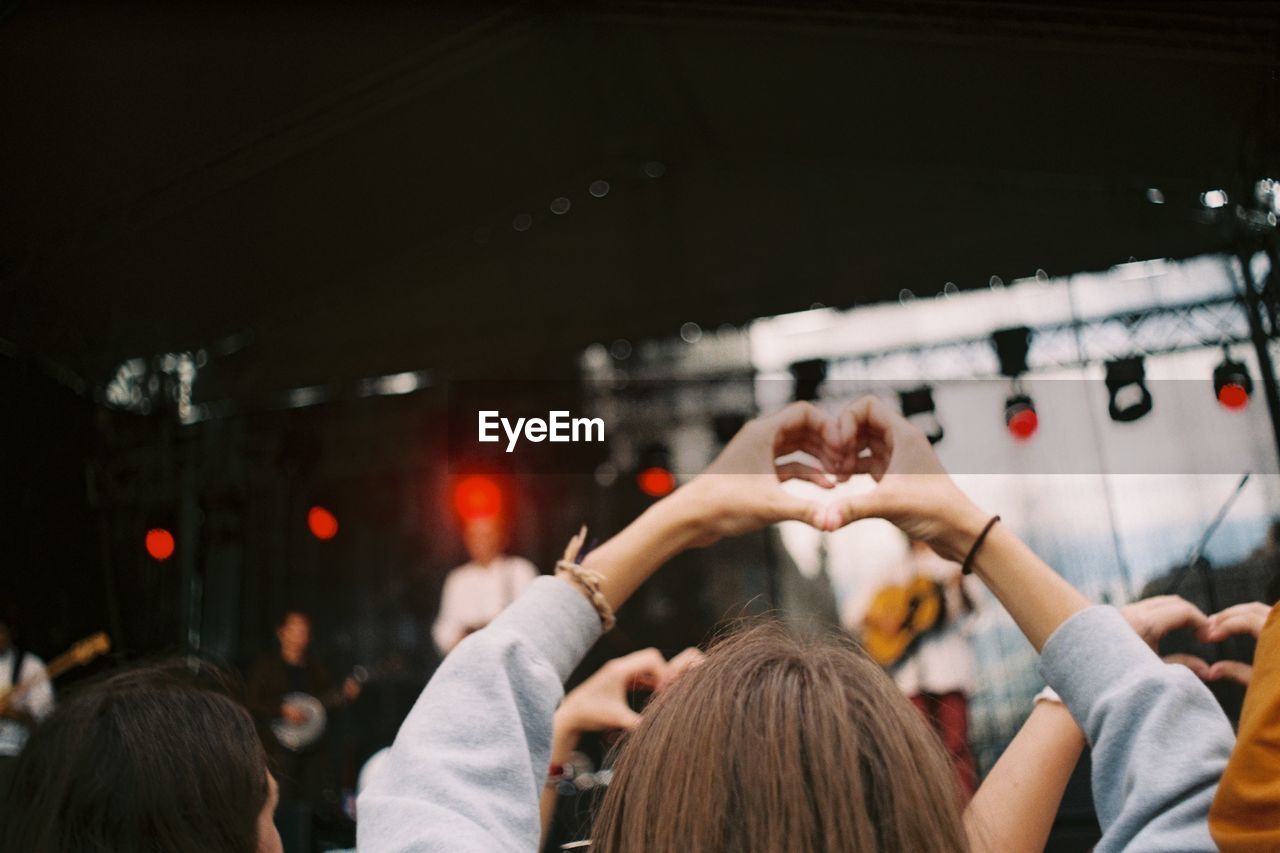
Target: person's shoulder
(32,662)
(462,573)
(521,565)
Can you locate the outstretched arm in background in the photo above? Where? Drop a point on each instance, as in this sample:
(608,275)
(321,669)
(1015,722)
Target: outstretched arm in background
(1016,804)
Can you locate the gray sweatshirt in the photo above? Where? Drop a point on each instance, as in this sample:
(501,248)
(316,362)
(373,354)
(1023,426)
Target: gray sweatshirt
(467,768)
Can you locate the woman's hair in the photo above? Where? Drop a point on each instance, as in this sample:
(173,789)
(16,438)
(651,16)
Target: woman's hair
(781,743)
(146,760)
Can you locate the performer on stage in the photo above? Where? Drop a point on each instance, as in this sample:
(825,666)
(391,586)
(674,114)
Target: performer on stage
(299,772)
(22,710)
(924,626)
(476,592)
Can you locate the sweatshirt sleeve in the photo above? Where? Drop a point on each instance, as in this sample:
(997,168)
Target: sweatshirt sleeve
(1244,811)
(1159,739)
(468,765)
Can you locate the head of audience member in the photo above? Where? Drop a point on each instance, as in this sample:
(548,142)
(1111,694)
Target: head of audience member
(485,539)
(147,759)
(778,742)
(294,634)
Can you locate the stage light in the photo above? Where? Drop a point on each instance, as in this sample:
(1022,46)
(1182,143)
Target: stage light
(159,543)
(1130,398)
(808,377)
(1011,348)
(1020,416)
(1232,384)
(322,523)
(656,482)
(477,496)
(917,407)
(653,474)
(1214,199)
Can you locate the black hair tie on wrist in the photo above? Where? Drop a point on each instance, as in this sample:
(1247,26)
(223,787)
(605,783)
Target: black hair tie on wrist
(967,567)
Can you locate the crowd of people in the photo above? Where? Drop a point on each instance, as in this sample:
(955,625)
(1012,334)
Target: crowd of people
(767,740)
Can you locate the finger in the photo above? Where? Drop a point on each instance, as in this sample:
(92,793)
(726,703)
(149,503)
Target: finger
(1169,613)
(797,422)
(1249,618)
(855,508)
(1231,622)
(784,506)
(624,718)
(680,664)
(1254,608)
(801,471)
(1231,670)
(1191,662)
(637,667)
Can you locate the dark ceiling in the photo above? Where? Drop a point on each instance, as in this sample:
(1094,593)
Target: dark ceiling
(335,184)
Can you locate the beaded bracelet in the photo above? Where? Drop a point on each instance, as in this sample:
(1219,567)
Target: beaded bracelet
(588,580)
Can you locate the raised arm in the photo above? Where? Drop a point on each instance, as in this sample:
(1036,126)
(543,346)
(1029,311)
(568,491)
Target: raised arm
(1159,739)
(1016,804)
(467,769)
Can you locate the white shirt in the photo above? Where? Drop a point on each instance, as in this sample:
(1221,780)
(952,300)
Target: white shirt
(474,595)
(941,661)
(36,700)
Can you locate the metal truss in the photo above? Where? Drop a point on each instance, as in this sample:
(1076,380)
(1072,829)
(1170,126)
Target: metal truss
(1159,330)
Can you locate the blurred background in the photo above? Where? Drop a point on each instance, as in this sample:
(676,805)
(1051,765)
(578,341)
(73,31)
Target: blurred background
(253,256)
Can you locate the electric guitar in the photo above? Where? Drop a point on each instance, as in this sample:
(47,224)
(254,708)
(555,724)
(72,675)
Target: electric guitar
(899,616)
(78,655)
(314,710)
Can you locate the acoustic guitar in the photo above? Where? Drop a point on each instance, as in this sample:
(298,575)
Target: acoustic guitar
(80,654)
(899,616)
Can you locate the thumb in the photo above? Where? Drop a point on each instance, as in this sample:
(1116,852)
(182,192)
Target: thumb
(1191,662)
(855,508)
(788,507)
(625,719)
(1231,670)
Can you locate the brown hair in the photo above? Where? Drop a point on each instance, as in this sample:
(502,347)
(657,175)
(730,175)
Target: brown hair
(151,758)
(781,743)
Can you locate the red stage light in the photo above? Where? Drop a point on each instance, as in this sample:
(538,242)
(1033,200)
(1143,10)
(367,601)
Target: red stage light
(1023,424)
(1233,396)
(323,524)
(159,544)
(476,497)
(656,482)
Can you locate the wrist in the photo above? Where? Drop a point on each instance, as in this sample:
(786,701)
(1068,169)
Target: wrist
(963,522)
(685,517)
(565,734)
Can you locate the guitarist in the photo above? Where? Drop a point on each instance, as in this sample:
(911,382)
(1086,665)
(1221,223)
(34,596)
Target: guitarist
(937,672)
(300,774)
(21,712)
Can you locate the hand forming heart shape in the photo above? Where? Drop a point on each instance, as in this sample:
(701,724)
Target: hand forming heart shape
(741,490)
(600,703)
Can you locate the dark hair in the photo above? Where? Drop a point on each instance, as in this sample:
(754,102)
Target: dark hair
(777,742)
(144,761)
